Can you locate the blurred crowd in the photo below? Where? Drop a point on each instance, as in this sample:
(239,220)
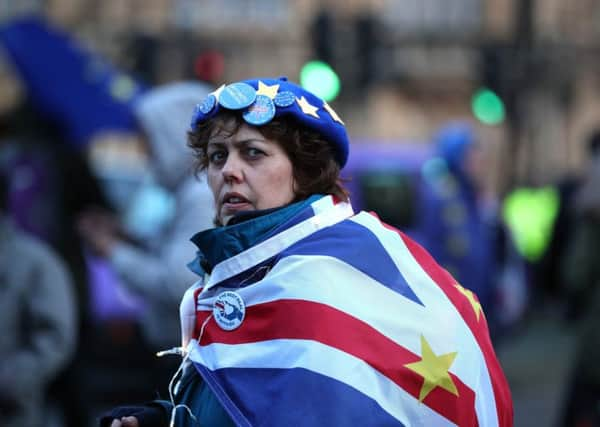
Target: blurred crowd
(95,233)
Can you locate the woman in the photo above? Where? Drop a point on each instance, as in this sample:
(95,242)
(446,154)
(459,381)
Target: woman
(308,314)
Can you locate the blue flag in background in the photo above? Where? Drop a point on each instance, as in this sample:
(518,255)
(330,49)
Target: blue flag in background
(67,83)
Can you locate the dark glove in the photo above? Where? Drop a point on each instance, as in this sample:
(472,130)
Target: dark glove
(148,415)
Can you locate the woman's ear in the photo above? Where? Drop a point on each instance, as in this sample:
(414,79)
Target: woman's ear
(297,195)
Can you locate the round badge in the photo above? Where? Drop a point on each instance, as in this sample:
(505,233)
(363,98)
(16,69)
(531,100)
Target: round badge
(229,310)
(261,112)
(284,99)
(237,96)
(208,104)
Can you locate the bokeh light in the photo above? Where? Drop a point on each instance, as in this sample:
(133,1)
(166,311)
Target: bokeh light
(319,78)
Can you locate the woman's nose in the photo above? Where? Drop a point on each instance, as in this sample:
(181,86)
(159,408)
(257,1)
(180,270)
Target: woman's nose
(232,169)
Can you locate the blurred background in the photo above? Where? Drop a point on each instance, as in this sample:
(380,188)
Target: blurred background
(475,127)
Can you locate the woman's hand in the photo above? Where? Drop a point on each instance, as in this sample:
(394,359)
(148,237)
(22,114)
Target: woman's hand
(148,415)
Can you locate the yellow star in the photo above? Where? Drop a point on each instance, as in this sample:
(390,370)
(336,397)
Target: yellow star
(218,91)
(266,90)
(307,108)
(471,297)
(332,113)
(434,370)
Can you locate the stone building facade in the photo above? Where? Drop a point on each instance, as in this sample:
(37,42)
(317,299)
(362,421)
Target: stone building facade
(426,59)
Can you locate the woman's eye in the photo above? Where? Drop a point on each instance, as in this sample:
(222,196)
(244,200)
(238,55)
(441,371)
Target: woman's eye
(254,152)
(216,156)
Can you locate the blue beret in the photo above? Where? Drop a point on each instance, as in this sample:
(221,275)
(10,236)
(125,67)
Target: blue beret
(261,100)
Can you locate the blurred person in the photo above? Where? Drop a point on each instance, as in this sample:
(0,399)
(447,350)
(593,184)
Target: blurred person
(549,281)
(457,221)
(38,165)
(88,96)
(307,313)
(137,256)
(580,270)
(38,318)
(154,268)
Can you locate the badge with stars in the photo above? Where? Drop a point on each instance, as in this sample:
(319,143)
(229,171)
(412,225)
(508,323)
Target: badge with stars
(284,99)
(261,112)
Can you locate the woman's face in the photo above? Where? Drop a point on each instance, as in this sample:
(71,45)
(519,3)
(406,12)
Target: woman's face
(247,172)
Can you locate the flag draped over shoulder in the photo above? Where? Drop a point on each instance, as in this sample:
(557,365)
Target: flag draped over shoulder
(66,82)
(354,324)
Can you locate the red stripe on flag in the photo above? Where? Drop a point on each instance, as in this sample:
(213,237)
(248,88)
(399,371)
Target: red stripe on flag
(306,320)
(479,327)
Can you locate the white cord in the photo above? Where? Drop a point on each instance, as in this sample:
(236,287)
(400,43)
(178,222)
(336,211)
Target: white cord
(203,326)
(186,355)
(189,411)
(175,350)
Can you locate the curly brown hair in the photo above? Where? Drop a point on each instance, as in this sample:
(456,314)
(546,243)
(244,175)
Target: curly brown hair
(313,159)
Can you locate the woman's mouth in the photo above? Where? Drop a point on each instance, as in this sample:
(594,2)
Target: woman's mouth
(235,202)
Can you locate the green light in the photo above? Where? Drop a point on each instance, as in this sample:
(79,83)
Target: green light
(319,78)
(488,107)
(530,215)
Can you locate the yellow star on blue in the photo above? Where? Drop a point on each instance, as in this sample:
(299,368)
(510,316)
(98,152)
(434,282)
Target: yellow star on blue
(332,113)
(307,108)
(264,89)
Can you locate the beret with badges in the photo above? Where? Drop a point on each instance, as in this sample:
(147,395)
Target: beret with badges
(261,100)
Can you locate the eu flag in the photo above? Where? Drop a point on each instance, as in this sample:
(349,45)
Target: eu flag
(68,83)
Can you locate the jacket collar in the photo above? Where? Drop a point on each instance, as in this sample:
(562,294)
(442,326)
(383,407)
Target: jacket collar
(246,230)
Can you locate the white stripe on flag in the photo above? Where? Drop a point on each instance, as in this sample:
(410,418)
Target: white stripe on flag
(274,245)
(439,305)
(323,360)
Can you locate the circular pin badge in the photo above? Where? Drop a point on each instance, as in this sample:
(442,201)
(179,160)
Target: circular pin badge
(237,96)
(229,310)
(207,104)
(261,112)
(285,98)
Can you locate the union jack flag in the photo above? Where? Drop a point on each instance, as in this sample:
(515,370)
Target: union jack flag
(348,322)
